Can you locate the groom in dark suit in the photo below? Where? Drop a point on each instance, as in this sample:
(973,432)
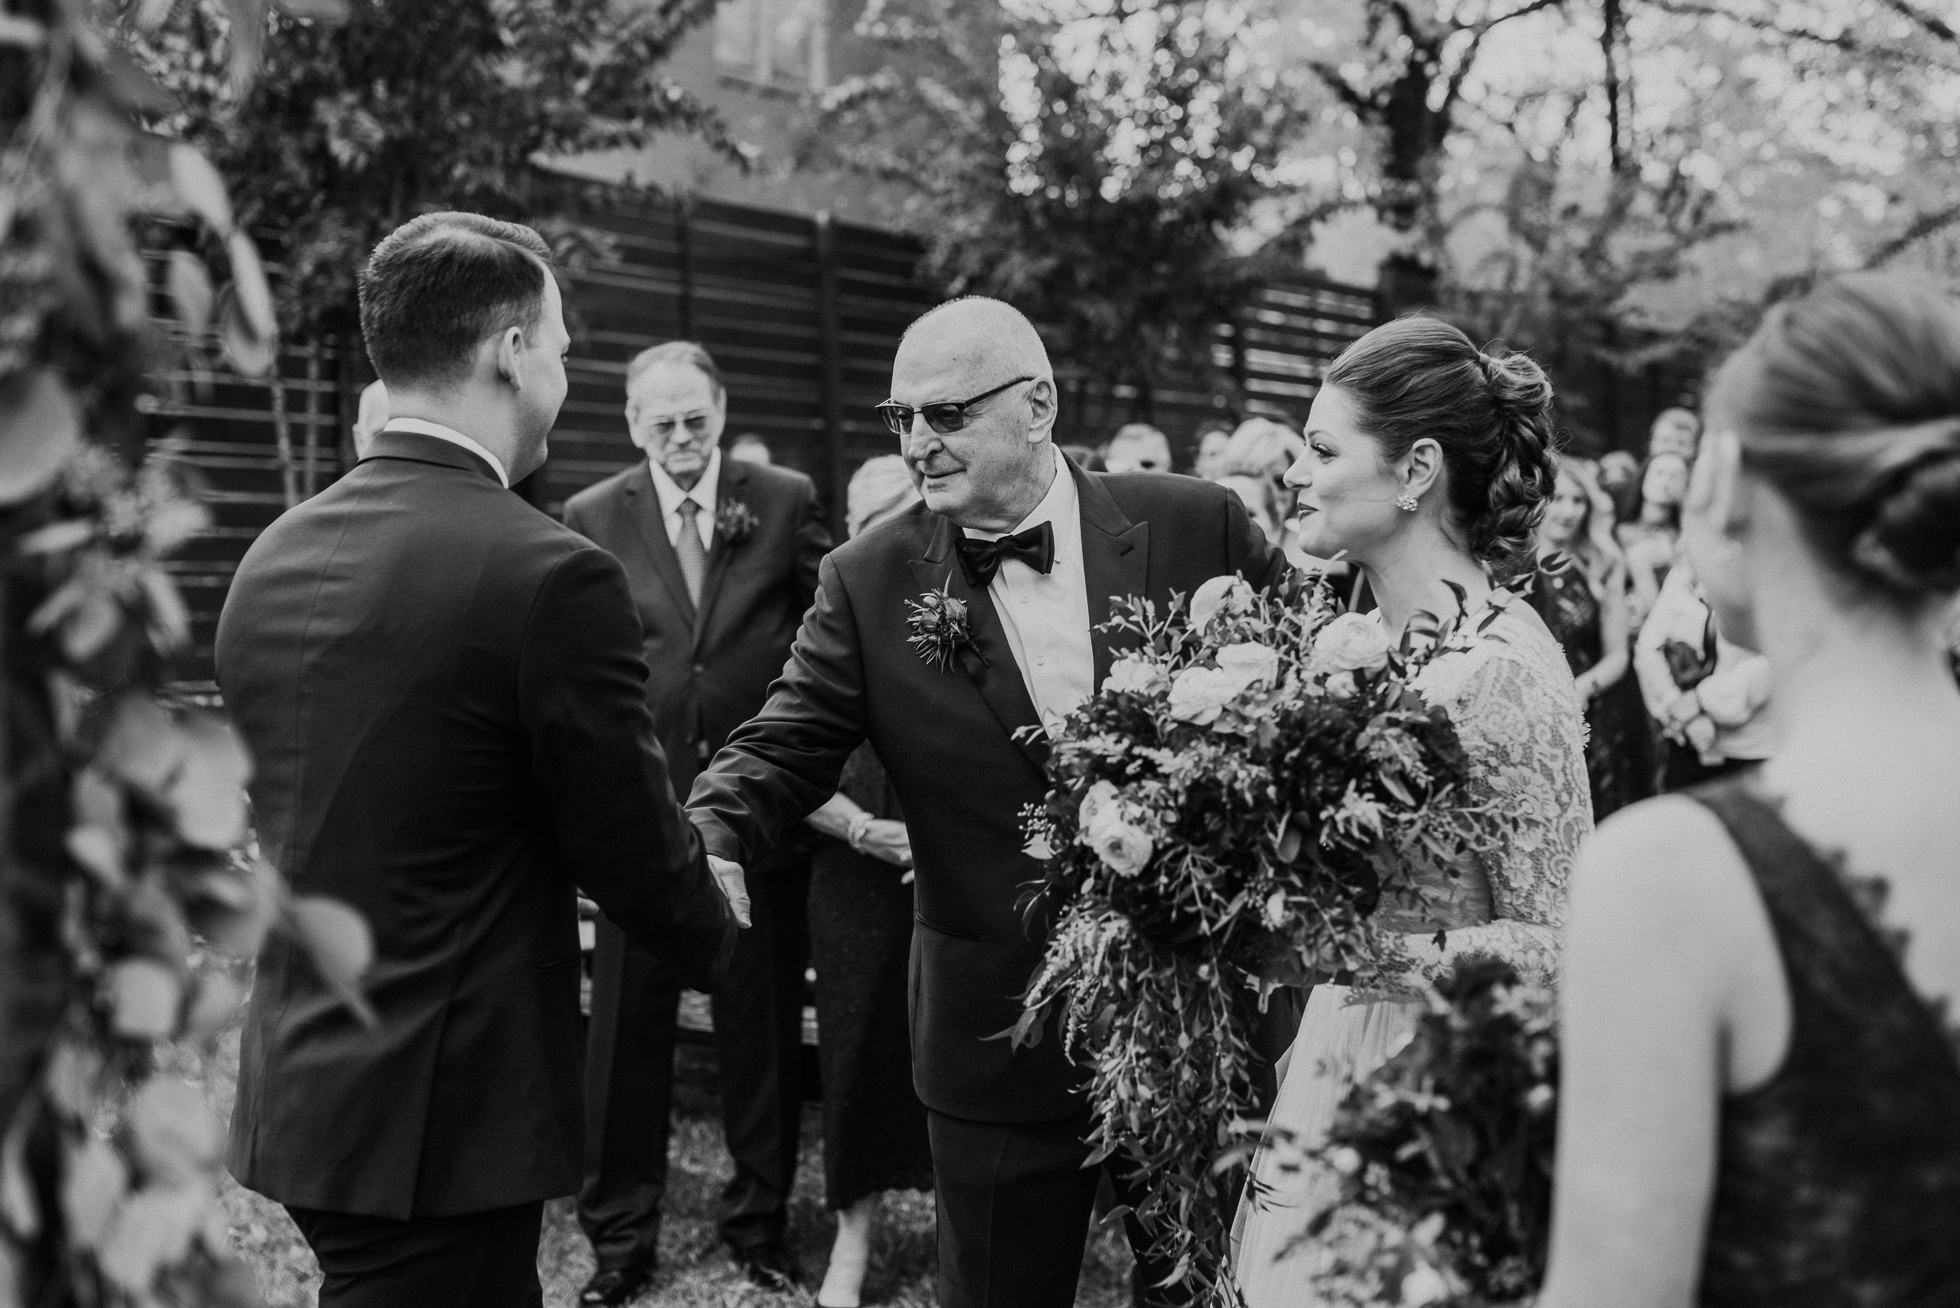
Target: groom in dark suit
(1036,549)
(443,692)
(722,557)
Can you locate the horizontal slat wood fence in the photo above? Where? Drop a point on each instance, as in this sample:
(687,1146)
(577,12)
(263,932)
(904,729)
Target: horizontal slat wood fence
(802,315)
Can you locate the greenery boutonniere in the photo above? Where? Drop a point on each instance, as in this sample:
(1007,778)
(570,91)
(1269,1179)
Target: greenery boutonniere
(734,522)
(939,628)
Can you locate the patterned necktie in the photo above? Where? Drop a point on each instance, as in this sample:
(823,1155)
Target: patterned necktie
(981,559)
(693,557)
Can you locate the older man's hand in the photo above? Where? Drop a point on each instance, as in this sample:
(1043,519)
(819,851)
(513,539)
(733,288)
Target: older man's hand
(734,886)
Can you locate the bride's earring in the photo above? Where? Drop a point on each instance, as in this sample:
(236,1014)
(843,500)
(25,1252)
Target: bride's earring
(1406,502)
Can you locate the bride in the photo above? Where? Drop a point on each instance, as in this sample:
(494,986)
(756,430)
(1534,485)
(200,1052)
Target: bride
(1429,463)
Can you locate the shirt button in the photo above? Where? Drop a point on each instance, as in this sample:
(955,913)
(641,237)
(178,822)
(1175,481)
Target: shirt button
(1024,599)
(1041,660)
(700,668)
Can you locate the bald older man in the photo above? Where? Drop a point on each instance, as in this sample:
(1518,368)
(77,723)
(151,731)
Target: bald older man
(1038,550)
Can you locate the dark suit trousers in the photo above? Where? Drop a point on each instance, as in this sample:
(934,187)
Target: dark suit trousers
(758,1016)
(477,1260)
(1014,1204)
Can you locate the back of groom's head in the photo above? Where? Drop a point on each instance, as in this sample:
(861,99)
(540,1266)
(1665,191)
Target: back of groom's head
(438,285)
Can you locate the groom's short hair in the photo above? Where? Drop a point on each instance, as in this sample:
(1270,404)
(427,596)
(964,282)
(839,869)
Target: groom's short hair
(438,284)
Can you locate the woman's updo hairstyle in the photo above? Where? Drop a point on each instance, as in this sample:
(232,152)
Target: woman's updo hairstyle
(1420,377)
(1847,401)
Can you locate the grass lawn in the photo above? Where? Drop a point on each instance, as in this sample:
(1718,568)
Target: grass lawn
(693,1271)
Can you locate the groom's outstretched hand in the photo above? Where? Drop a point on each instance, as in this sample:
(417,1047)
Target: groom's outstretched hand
(733,885)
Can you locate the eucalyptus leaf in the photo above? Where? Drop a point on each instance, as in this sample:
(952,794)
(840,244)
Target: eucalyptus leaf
(174,1138)
(190,291)
(40,427)
(199,186)
(144,998)
(340,944)
(94,1180)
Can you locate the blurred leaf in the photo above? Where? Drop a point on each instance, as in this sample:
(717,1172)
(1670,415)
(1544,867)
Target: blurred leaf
(233,908)
(323,11)
(141,747)
(74,1071)
(20,1212)
(208,794)
(215,1001)
(341,946)
(248,277)
(249,352)
(90,628)
(40,426)
(100,853)
(170,618)
(92,1184)
(21,33)
(173,1135)
(58,537)
(151,12)
(190,290)
(144,999)
(152,1230)
(198,185)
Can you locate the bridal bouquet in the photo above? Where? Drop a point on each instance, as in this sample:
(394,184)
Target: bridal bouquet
(1223,818)
(1445,1154)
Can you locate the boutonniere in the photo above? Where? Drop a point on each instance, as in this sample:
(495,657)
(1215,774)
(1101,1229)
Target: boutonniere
(938,623)
(734,522)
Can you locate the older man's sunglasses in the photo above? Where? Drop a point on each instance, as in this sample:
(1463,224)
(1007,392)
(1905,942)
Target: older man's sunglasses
(943,417)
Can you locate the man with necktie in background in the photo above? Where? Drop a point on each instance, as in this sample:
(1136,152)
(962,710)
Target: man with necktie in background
(722,558)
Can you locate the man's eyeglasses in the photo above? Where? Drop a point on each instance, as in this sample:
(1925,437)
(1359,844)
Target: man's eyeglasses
(943,417)
(697,424)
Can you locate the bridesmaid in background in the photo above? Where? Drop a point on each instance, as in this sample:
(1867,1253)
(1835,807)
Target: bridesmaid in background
(1584,603)
(1760,1104)
(874,1127)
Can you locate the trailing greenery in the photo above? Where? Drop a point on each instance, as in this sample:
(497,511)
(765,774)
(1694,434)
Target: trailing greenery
(124,887)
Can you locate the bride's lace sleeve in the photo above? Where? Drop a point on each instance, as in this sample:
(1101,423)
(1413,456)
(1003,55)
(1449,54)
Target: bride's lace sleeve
(1514,705)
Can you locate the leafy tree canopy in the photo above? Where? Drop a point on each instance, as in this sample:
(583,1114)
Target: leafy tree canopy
(352,128)
(1093,161)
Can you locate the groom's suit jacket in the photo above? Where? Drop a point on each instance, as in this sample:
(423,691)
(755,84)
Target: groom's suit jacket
(952,743)
(443,692)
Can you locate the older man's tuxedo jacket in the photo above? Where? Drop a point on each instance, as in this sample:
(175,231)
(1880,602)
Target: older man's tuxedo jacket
(964,750)
(443,692)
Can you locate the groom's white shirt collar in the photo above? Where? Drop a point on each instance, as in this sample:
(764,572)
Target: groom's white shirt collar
(423,427)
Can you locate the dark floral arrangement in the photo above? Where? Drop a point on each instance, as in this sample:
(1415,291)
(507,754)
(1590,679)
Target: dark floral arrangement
(1445,1154)
(735,522)
(938,623)
(1224,816)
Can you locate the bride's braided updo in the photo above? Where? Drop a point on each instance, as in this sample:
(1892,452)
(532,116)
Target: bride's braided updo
(1847,401)
(1491,413)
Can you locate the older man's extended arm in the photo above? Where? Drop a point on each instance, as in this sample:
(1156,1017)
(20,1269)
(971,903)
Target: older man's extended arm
(1247,551)
(779,766)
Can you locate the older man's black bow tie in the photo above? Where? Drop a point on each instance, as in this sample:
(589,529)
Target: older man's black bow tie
(981,559)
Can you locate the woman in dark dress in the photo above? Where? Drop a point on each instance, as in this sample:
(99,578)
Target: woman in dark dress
(1583,600)
(874,1127)
(1760,1097)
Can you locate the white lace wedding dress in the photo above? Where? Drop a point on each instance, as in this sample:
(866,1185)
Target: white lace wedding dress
(1510,694)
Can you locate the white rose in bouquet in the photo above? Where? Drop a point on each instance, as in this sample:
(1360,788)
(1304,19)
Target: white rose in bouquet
(1134,676)
(1353,642)
(1103,799)
(1249,665)
(1125,848)
(1227,594)
(1199,695)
